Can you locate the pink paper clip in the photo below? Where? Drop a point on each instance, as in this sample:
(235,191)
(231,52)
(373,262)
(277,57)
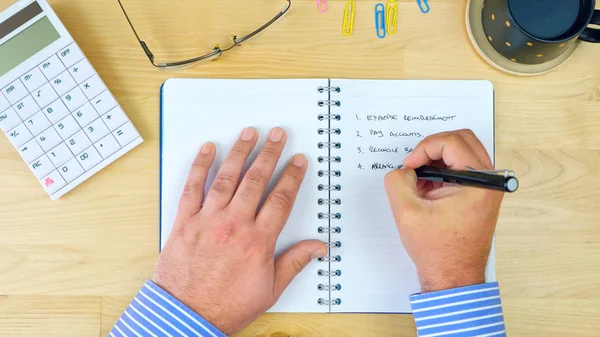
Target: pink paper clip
(322,6)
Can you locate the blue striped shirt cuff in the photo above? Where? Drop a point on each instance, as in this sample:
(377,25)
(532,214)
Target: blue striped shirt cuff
(153,313)
(461,312)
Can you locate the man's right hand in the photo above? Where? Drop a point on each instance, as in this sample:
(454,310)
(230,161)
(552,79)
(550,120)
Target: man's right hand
(447,229)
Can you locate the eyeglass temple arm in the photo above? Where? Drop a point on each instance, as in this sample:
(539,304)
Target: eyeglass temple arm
(142,43)
(265,26)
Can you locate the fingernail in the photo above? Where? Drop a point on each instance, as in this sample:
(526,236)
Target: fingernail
(248,134)
(276,135)
(206,148)
(319,253)
(299,160)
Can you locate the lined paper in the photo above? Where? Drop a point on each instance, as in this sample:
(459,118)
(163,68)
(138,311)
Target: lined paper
(197,111)
(381,123)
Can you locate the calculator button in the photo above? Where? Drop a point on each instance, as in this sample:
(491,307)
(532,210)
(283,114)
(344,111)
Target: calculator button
(60,154)
(33,79)
(92,87)
(26,107)
(71,170)
(52,67)
(125,134)
(63,83)
(53,182)
(85,115)
(82,71)
(37,123)
(104,102)
(96,130)
(9,119)
(89,158)
(107,146)
(19,135)
(74,99)
(56,111)
(44,95)
(30,151)
(78,142)
(3,103)
(115,118)
(15,91)
(48,139)
(70,55)
(41,166)
(67,127)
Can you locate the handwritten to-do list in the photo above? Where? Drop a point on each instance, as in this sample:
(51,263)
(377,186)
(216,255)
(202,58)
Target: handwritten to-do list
(388,138)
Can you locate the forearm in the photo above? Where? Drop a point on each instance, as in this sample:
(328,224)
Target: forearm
(467,311)
(154,312)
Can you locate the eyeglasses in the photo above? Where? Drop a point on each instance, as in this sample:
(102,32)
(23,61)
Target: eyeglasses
(215,53)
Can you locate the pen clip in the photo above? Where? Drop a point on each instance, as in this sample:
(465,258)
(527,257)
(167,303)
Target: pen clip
(322,6)
(380,20)
(348,24)
(392,16)
(505,173)
(423,6)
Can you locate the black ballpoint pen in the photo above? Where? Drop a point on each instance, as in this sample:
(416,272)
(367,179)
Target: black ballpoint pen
(481,179)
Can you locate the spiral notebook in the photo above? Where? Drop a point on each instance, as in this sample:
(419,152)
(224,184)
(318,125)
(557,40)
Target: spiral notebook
(353,132)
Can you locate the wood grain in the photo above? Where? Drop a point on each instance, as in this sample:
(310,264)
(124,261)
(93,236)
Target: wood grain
(69,268)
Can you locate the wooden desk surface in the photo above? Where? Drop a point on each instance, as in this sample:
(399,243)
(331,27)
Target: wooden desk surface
(69,268)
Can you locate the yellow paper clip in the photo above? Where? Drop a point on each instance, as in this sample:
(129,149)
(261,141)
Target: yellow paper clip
(348,25)
(392,17)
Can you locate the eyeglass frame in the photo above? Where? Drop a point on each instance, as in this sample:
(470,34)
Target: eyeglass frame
(216,52)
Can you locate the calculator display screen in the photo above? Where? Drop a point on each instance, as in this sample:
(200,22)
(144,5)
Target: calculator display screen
(29,41)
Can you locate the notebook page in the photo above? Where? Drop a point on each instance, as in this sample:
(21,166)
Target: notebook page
(195,111)
(381,122)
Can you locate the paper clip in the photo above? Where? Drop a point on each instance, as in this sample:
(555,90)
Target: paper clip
(380,20)
(322,6)
(423,6)
(392,16)
(348,24)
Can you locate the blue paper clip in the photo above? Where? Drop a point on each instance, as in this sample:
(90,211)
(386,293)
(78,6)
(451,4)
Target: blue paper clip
(380,20)
(423,6)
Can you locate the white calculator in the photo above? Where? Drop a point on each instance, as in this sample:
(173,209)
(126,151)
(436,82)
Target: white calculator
(54,108)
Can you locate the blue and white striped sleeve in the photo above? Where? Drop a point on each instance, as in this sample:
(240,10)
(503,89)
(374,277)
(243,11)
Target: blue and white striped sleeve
(154,312)
(461,312)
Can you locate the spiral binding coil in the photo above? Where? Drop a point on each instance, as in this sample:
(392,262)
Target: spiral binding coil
(336,301)
(329,201)
(328,89)
(328,116)
(330,159)
(329,287)
(335,145)
(330,173)
(330,216)
(330,131)
(335,230)
(329,102)
(336,258)
(330,273)
(322,187)
(336,244)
